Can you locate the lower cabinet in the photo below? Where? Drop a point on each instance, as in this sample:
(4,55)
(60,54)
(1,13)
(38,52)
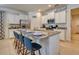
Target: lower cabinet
(11,34)
(62,35)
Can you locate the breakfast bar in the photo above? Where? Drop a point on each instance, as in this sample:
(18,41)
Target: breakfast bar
(49,40)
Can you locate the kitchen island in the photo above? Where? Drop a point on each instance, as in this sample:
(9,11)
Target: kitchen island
(49,40)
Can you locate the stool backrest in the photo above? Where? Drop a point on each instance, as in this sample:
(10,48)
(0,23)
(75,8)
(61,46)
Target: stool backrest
(27,43)
(21,37)
(16,35)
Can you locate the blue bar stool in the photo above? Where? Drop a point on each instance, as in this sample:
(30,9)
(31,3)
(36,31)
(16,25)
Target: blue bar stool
(31,47)
(17,42)
(16,39)
(21,37)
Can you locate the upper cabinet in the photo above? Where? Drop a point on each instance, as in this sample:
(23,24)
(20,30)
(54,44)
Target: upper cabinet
(44,19)
(49,15)
(12,18)
(60,16)
(23,16)
(15,18)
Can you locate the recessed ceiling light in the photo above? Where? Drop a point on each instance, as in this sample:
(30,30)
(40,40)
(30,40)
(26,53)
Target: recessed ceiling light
(49,5)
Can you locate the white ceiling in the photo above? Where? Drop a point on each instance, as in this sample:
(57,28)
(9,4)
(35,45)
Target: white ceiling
(27,7)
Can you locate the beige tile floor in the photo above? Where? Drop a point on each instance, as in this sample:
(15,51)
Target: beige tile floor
(66,48)
(7,48)
(70,48)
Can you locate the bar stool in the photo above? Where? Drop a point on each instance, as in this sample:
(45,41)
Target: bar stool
(17,42)
(21,38)
(16,39)
(31,47)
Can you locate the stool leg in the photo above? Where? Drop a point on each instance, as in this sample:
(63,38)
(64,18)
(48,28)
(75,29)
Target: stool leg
(15,45)
(32,53)
(39,52)
(18,48)
(18,51)
(23,52)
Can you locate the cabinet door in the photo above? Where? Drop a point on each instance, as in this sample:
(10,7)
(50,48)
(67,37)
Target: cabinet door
(13,18)
(16,19)
(22,16)
(51,15)
(60,17)
(62,34)
(10,18)
(53,45)
(57,17)
(11,35)
(45,18)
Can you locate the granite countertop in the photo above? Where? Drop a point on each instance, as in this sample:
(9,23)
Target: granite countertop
(49,33)
(52,32)
(45,34)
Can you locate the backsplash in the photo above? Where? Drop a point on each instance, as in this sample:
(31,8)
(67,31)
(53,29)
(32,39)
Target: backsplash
(14,26)
(62,25)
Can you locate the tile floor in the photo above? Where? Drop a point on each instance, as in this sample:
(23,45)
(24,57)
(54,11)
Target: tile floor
(66,48)
(70,48)
(7,48)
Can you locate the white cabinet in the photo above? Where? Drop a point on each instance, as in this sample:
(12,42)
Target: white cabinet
(57,17)
(62,34)
(11,34)
(53,48)
(10,18)
(50,15)
(50,45)
(15,18)
(23,16)
(60,17)
(44,19)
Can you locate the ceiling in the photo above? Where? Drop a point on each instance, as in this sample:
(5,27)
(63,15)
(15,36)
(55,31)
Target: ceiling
(27,7)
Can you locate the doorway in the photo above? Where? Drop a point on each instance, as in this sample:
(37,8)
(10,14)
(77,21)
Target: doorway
(75,24)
